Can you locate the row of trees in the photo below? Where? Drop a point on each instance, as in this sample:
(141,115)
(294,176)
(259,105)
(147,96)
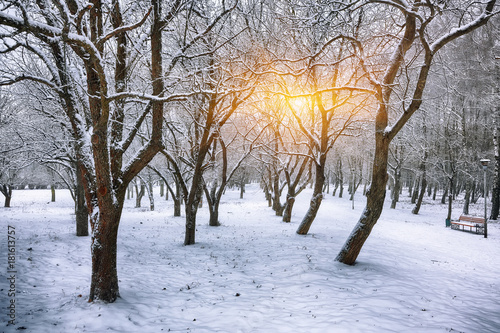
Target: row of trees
(191,90)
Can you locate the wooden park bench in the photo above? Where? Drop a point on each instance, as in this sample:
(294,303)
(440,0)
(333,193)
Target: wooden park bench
(470,224)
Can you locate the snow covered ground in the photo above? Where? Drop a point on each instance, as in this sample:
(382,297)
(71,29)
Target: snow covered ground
(253,273)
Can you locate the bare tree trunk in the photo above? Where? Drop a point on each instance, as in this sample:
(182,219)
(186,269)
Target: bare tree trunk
(423,183)
(242,183)
(213,205)
(468,191)
(450,198)
(151,196)
(81,211)
(214,215)
(104,280)
(445,194)
(341,179)
(190,236)
(415,190)
(53,193)
(397,187)
(192,205)
(6,190)
(315,203)
(376,195)
(287,213)
(423,186)
(162,188)
(139,194)
(495,195)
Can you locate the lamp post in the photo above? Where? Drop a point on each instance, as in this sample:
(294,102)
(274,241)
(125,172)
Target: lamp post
(484,163)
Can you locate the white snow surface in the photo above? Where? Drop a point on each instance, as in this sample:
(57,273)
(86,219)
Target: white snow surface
(253,273)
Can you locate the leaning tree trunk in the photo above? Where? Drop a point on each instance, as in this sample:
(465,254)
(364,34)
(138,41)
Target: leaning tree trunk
(315,203)
(423,185)
(374,203)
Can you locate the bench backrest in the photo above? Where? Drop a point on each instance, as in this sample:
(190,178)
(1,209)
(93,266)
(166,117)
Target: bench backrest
(472,219)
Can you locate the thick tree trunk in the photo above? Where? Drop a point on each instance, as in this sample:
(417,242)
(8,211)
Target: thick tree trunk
(177,206)
(214,214)
(287,213)
(104,280)
(191,210)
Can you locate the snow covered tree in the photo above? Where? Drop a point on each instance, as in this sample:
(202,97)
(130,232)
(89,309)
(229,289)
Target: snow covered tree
(98,35)
(427,27)
(219,88)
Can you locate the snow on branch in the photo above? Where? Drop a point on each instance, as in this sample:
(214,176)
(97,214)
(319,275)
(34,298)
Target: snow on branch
(123,29)
(460,31)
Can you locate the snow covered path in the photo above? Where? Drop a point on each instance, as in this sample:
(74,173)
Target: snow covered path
(253,274)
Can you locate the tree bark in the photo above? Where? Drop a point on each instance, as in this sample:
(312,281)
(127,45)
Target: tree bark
(465,210)
(104,281)
(189,238)
(214,215)
(6,190)
(81,213)
(315,203)
(423,186)
(397,187)
(287,213)
(495,195)
(139,194)
(151,196)
(53,193)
